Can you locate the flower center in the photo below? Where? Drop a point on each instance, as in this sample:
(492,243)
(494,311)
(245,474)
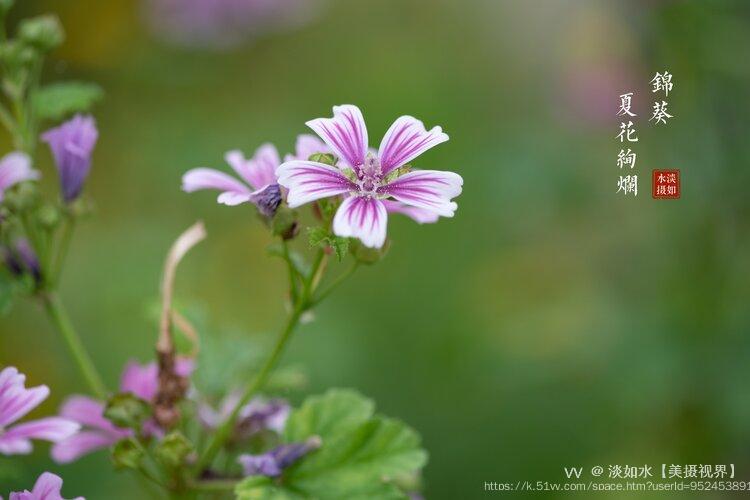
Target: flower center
(369,175)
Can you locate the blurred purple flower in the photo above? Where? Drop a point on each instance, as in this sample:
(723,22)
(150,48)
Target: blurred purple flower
(22,259)
(225,23)
(258,173)
(47,487)
(368,178)
(72,144)
(140,380)
(15,402)
(15,167)
(272,463)
(257,415)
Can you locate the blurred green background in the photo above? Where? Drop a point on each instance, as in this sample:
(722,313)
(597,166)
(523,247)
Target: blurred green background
(552,323)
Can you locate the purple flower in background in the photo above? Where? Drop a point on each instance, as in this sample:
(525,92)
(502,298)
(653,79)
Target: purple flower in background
(15,402)
(272,463)
(259,414)
(72,144)
(15,167)
(225,23)
(21,259)
(98,432)
(367,178)
(47,487)
(258,172)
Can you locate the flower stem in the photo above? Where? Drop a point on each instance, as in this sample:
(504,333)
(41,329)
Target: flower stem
(224,431)
(334,284)
(56,311)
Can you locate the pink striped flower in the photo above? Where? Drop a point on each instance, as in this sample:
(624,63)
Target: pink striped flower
(15,167)
(15,402)
(258,173)
(98,432)
(372,182)
(47,487)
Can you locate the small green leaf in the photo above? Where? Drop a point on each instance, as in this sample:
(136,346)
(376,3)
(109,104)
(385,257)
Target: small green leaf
(59,100)
(328,416)
(126,410)
(319,236)
(173,449)
(126,454)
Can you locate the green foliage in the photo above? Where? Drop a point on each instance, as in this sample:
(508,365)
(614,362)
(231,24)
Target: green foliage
(298,261)
(360,456)
(319,236)
(173,449)
(126,410)
(127,454)
(58,100)
(284,223)
(7,292)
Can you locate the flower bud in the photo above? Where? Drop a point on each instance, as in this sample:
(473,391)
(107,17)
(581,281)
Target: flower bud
(44,33)
(72,144)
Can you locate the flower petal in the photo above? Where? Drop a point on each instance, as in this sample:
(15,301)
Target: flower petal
(428,189)
(82,443)
(88,412)
(51,429)
(345,133)
(17,401)
(15,167)
(420,215)
(309,181)
(47,487)
(362,217)
(207,178)
(141,380)
(405,140)
(260,170)
(306,146)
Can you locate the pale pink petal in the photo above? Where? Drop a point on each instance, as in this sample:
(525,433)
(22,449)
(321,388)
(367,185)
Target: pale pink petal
(10,377)
(428,189)
(51,429)
(88,412)
(405,140)
(15,167)
(308,145)
(82,443)
(47,487)
(17,401)
(308,181)
(345,133)
(420,215)
(364,218)
(258,171)
(234,192)
(141,380)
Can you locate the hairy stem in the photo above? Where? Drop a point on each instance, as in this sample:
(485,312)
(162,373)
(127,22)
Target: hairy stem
(56,311)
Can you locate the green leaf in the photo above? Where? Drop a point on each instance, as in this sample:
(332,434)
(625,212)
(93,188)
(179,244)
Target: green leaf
(360,457)
(59,100)
(328,416)
(42,32)
(126,454)
(126,410)
(319,236)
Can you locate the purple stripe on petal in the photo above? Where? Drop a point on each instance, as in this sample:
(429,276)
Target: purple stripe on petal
(17,401)
(428,189)
(405,140)
(309,181)
(364,218)
(345,133)
(51,429)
